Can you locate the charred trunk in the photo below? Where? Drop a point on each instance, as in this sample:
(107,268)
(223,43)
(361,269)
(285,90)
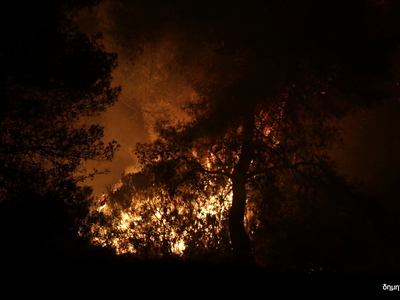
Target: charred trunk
(240,240)
(241,245)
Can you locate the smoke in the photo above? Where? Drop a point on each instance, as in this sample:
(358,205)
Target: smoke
(371,147)
(159,57)
(153,83)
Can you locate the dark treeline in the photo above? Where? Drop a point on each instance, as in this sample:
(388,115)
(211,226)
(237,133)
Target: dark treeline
(52,76)
(283,74)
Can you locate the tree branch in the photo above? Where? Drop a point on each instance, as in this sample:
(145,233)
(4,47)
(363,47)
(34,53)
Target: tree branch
(280,167)
(203,170)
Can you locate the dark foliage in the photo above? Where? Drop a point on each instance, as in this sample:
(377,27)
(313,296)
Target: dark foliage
(51,77)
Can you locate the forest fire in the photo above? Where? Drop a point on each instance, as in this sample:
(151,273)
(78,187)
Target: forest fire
(213,126)
(158,223)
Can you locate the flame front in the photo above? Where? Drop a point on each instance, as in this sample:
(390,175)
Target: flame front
(155,220)
(160,225)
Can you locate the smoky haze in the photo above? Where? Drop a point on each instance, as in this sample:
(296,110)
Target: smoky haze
(370,153)
(154,86)
(159,59)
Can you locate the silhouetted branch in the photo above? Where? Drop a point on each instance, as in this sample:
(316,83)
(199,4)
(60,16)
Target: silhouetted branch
(281,167)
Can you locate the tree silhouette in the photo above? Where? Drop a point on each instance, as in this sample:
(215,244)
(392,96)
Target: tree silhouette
(53,77)
(270,100)
(281,75)
(245,158)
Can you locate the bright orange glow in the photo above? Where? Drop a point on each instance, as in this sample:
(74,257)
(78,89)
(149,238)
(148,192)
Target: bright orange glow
(159,221)
(186,215)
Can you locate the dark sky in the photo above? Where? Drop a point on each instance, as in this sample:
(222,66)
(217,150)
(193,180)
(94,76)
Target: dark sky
(153,86)
(372,147)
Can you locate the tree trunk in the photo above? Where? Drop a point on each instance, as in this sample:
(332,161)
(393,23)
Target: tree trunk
(241,245)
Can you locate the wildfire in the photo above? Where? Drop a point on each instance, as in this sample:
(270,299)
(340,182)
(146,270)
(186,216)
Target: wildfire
(154,222)
(159,220)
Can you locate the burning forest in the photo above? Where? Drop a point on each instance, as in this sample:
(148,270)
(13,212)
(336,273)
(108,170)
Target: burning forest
(234,132)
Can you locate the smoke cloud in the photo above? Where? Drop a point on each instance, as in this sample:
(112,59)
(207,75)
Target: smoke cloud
(371,148)
(153,83)
(158,60)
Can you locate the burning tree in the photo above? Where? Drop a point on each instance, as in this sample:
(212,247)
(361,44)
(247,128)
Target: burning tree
(260,132)
(204,189)
(146,216)
(260,149)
